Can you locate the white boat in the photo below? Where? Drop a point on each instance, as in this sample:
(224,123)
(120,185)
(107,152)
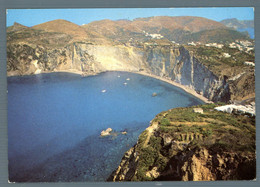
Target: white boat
(118,76)
(125,83)
(128,79)
(103,91)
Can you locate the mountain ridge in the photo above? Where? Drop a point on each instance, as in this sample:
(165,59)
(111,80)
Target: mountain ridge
(64,26)
(238,24)
(140,27)
(179,29)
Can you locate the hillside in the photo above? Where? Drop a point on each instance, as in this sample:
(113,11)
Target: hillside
(66,27)
(238,24)
(172,28)
(187,23)
(62,26)
(38,37)
(16,27)
(216,35)
(195,143)
(39,49)
(181,29)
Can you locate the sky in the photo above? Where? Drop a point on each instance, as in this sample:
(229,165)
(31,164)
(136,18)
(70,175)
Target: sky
(31,17)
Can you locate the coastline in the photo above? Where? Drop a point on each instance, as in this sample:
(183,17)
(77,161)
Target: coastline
(185,88)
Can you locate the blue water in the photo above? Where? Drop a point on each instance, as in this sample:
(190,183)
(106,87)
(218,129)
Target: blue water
(54,122)
(250,30)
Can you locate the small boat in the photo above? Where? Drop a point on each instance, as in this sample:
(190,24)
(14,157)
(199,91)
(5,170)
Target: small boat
(125,83)
(103,91)
(128,79)
(118,76)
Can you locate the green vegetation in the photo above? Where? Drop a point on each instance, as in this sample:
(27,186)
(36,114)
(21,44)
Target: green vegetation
(39,37)
(215,35)
(165,122)
(214,130)
(213,58)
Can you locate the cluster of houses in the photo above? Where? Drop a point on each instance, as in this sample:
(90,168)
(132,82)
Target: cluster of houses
(242,45)
(153,36)
(215,45)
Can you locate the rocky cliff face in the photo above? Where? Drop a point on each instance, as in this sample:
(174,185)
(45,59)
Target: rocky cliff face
(26,59)
(177,64)
(183,145)
(182,66)
(190,165)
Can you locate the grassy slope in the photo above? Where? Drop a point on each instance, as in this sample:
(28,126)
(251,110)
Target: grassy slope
(218,131)
(214,60)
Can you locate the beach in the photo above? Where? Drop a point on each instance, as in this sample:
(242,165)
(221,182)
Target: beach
(185,88)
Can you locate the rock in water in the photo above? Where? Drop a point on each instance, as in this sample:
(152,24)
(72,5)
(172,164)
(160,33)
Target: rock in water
(154,94)
(106,132)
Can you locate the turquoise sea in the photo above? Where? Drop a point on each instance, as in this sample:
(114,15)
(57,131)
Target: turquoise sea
(55,120)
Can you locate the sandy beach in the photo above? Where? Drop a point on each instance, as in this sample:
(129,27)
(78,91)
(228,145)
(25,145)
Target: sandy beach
(185,88)
(70,71)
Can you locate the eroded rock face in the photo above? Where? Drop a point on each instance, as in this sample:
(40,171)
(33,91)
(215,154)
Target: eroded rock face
(175,63)
(199,164)
(126,169)
(178,147)
(189,71)
(26,59)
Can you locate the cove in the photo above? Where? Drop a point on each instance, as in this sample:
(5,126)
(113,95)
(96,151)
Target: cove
(55,120)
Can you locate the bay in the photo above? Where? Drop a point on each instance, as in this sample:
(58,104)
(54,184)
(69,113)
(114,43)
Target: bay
(55,120)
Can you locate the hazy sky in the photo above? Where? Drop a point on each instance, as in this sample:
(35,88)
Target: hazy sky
(30,17)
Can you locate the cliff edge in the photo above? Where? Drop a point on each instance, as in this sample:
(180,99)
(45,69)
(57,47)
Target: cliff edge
(192,144)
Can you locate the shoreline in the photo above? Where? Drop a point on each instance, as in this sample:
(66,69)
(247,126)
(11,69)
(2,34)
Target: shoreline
(184,88)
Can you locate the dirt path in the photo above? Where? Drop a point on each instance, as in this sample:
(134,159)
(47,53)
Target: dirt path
(188,123)
(150,130)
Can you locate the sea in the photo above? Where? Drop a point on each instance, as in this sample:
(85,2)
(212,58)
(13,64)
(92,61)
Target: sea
(55,121)
(250,30)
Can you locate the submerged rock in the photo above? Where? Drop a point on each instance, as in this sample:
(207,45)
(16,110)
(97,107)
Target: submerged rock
(154,94)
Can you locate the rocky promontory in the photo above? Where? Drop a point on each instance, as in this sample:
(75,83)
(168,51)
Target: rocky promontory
(184,144)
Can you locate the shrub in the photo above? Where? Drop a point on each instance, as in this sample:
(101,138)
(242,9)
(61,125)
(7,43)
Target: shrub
(165,122)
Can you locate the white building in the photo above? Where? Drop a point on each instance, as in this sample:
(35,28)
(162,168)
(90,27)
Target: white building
(215,45)
(226,55)
(192,43)
(249,63)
